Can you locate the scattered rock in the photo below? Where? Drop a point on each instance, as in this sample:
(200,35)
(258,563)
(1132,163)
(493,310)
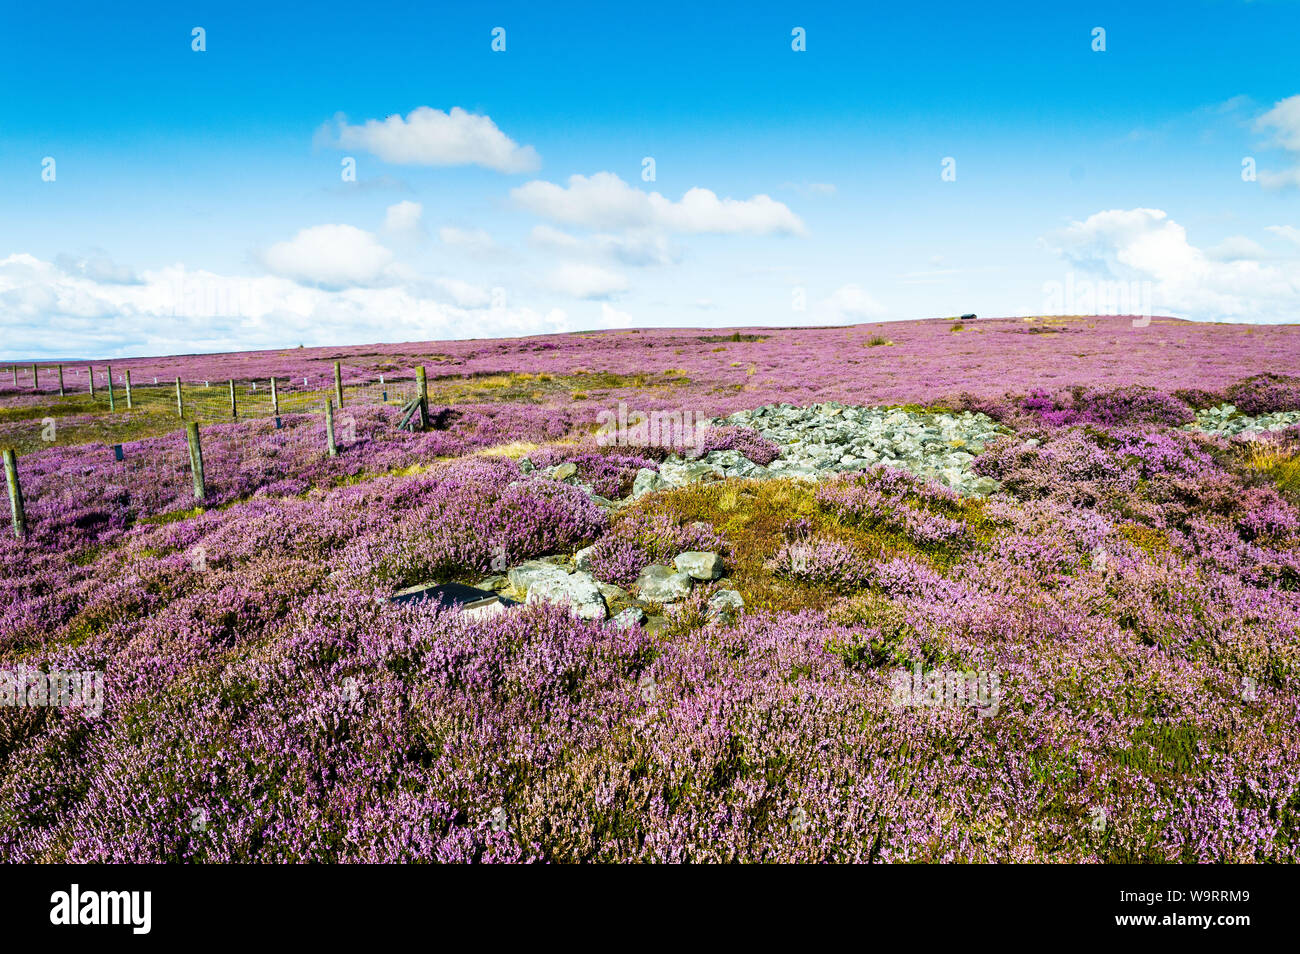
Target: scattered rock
(525,575)
(582,559)
(699,565)
(724,606)
(830,438)
(613,594)
(662,584)
(646,481)
(628,618)
(576,590)
(563,471)
(1226,422)
(493,583)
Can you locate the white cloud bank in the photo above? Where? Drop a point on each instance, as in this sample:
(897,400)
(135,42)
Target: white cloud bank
(56,312)
(1235,283)
(430,137)
(604,201)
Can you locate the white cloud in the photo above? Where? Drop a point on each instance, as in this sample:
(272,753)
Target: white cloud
(816,189)
(1237,248)
(579,280)
(332,256)
(96,266)
(405,220)
(1146,246)
(545,236)
(637,247)
(852,301)
(1286,179)
(611,317)
(175,310)
(475,241)
(1284,119)
(1288,232)
(466,294)
(1284,122)
(604,201)
(430,137)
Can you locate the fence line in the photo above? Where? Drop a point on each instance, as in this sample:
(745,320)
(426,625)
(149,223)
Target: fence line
(239,400)
(204,400)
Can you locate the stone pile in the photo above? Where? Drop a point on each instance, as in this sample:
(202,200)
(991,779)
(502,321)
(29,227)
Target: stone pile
(569,581)
(831,438)
(1226,422)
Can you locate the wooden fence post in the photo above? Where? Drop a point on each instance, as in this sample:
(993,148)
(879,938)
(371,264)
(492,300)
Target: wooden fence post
(92,382)
(196,458)
(36,378)
(338,383)
(234,410)
(275,400)
(15,493)
(127,378)
(422,392)
(61,391)
(180,402)
(112,401)
(329,429)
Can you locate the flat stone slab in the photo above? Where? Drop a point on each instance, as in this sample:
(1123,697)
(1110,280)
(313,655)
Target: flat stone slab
(470,600)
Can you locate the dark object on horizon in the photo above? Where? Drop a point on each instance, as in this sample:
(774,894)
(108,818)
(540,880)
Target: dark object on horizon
(967,317)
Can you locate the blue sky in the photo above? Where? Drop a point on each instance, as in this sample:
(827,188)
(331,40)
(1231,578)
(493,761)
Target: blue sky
(197,201)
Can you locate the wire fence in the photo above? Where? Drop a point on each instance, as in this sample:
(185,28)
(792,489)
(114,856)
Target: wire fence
(123,447)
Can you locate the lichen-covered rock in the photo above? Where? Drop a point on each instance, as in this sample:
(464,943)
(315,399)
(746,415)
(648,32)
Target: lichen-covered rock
(724,606)
(525,575)
(630,617)
(662,584)
(578,591)
(699,565)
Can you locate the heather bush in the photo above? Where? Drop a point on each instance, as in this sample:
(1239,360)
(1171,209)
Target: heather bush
(747,441)
(638,540)
(1110,407)
(608,472)
(1265,393)
(928,514)
(820,560)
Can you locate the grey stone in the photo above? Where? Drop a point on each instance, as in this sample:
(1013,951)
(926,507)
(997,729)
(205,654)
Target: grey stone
(563,471)
(699,564)
(724,605)
(646,481)
(525,575)
(662,584)
(628,618)
(582,559)
(578,591)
